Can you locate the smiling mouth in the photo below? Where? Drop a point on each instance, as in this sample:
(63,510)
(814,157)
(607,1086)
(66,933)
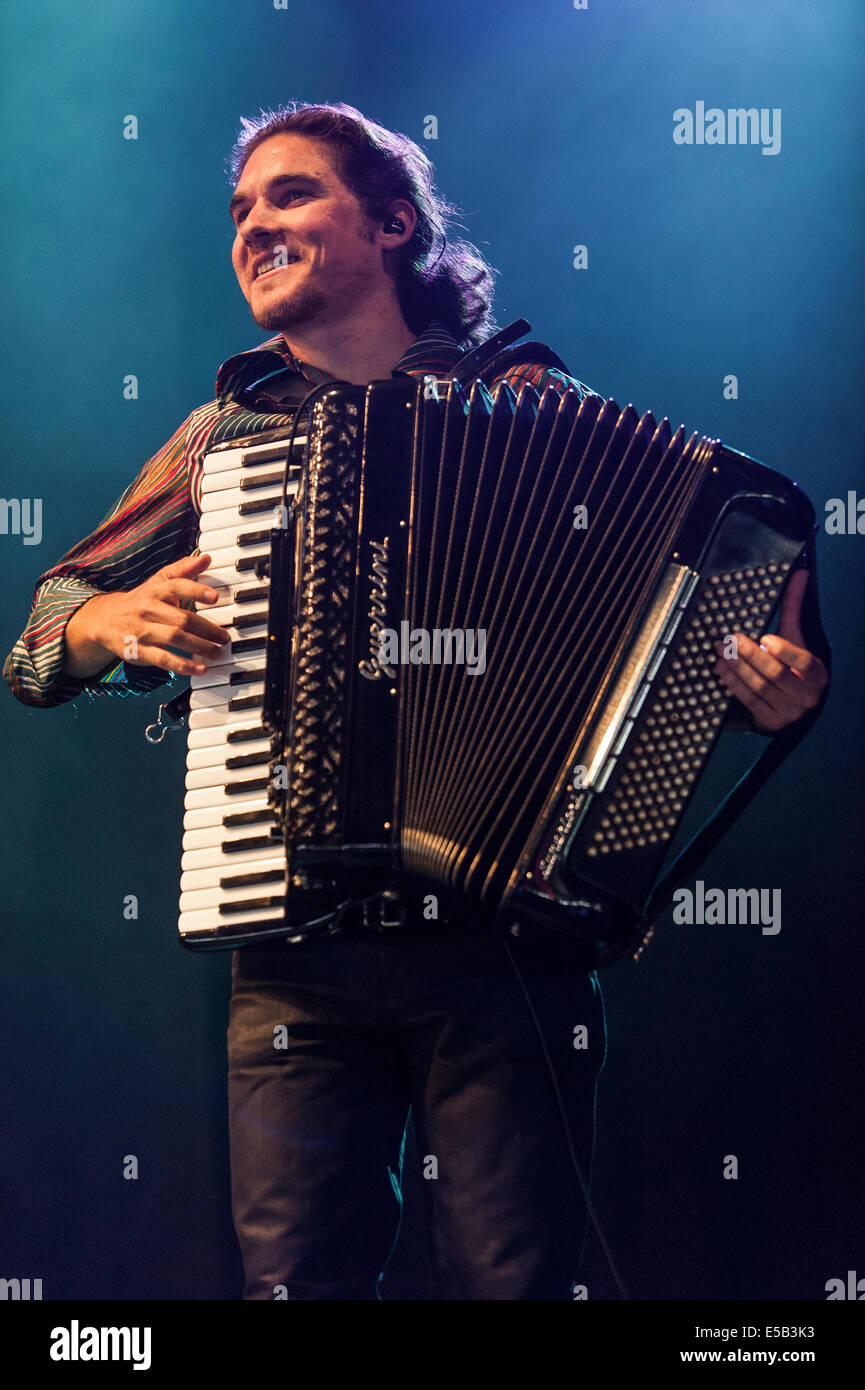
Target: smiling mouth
(270,267)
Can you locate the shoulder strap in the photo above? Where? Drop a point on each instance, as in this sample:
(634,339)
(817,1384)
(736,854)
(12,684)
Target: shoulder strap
(498,354)
(470,365)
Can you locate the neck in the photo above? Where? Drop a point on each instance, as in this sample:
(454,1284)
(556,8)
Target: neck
(361,347)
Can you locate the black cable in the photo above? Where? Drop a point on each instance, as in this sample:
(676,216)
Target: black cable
(562,1111)
(306,405)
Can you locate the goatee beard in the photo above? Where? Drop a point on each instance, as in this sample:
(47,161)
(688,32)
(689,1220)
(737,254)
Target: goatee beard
(301,308)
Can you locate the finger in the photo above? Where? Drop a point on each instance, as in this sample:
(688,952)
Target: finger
(779,701)
(791,608)
(167,661)
(187,620)
(202,627)
(191,621)
(763,662)
(185,589)
(766,717)
(802,663)
(182,569)
(173,634)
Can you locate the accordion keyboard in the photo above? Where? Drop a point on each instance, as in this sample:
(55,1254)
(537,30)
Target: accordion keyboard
(233,861)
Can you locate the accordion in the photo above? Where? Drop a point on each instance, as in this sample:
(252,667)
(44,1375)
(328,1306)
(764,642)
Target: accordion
(471,659)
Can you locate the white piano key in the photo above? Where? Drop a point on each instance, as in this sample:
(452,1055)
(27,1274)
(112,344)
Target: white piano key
(208,696)
(220,675)
(216,488)
(242,660)
(217,736)
(231,517)
(208,919)
(194,880)
(254,455)
(214,836)
(226,557)
(253,631)
(239,660)
(215,897)
(224,488)
(226,615)
(212,856)
(199,797)
(199,818)
(198,778)
(218,613)
(228,539)
(225,575)
(213,860)
(228,592)
(216,711)
(217,755)
(218,774)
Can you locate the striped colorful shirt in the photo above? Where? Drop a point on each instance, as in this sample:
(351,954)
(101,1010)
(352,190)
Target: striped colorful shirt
(155,521)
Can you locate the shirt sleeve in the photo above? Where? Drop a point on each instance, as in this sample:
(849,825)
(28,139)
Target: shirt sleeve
(152,524)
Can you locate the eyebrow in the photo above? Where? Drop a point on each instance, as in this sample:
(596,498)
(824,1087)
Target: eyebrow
(274,185)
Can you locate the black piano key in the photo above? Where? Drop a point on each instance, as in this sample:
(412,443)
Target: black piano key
(248,818)
(248,760)
(245,677)
(251,784)
(250,619)
(248,644)
(254,537)
(261,504)
(278,452)
(252,594)
(246,735)
(262,480)
(245,702)
(245,880)
(251,905)
(249,562)
(251,842)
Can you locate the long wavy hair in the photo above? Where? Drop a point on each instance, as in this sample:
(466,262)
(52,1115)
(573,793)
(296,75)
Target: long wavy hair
(437,277)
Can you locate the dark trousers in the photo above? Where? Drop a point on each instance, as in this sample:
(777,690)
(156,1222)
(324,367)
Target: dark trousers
(329,1044)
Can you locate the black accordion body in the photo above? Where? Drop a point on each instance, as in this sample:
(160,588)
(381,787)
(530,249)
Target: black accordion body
(473,641)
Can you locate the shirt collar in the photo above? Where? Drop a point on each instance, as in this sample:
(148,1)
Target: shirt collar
(434,351)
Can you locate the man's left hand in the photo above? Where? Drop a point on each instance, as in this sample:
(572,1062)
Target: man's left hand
(778,679)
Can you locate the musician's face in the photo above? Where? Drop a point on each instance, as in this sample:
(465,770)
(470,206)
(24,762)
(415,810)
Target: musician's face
(291,205)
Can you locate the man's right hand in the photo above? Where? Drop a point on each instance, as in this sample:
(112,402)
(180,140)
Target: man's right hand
(147,620)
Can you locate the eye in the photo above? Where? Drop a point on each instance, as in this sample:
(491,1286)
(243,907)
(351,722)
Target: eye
(282,198)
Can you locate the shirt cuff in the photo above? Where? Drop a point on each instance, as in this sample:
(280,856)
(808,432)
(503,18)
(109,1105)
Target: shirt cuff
(34,668)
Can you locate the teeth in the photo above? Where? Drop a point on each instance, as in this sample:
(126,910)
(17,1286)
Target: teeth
(269,265)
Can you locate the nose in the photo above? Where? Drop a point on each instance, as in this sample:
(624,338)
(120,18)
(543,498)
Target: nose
(259,224)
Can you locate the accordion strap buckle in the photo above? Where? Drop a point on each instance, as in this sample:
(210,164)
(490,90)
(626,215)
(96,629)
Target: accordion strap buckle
(170,716)
(155,733)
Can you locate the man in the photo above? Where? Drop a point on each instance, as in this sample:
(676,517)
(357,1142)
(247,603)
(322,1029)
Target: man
(341,247)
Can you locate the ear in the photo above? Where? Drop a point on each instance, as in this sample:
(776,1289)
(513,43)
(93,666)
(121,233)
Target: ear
(390,238)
